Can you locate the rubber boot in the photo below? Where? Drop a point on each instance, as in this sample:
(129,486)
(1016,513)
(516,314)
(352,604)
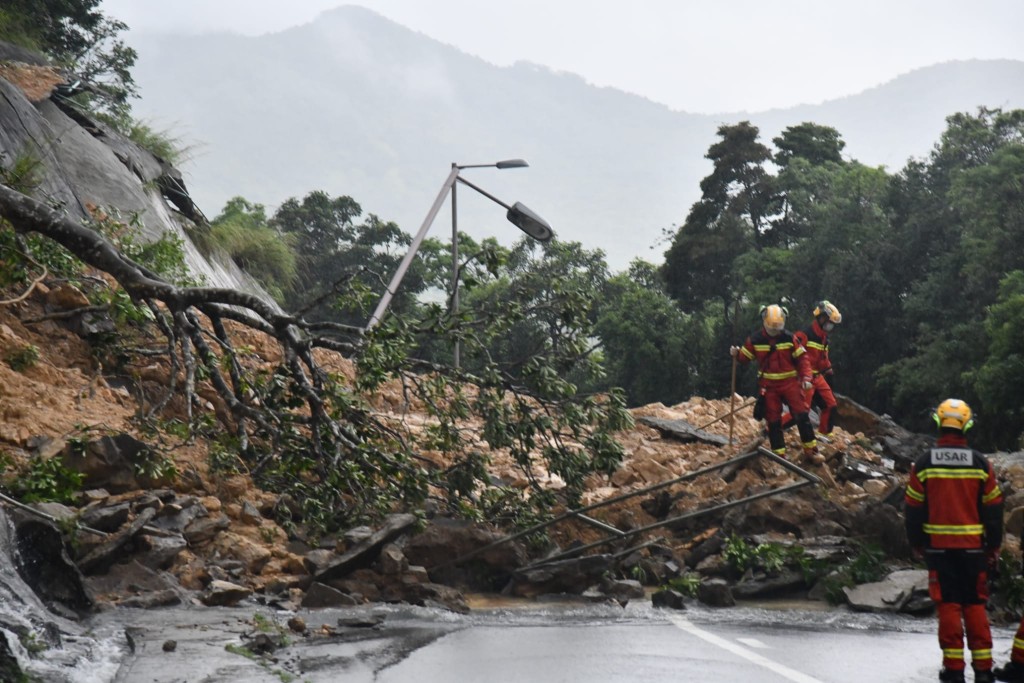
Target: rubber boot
(984,676)
(1011,671)
(952,675)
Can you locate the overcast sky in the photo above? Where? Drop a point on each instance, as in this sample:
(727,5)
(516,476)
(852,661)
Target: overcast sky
(700,56)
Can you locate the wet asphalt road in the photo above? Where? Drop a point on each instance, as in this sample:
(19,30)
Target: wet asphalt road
(554,644)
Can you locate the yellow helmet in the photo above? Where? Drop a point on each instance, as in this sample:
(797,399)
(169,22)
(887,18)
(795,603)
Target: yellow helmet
(774,318)
(953,414)
(829,310)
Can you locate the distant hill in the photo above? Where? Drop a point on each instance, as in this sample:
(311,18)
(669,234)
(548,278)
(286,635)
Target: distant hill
(355,104)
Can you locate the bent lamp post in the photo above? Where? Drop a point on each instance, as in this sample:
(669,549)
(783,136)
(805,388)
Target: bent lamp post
(518,214)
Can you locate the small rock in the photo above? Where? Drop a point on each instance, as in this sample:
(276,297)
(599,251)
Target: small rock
(668,598)
(170,645)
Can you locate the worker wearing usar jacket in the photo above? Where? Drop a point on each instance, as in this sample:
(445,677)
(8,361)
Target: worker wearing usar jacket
(783,376)
(814,338)
(954,517)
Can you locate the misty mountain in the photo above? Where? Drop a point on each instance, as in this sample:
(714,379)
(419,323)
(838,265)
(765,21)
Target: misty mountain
(355,104)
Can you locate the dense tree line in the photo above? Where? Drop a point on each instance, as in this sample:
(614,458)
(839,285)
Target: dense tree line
(924,263)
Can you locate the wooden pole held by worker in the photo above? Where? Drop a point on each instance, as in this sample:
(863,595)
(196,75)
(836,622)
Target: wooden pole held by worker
(732,400)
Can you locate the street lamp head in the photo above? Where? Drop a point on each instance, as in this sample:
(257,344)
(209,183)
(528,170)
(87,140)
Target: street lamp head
(529,222)
(512,163)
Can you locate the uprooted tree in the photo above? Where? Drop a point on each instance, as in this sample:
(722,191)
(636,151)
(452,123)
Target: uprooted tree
(303,430)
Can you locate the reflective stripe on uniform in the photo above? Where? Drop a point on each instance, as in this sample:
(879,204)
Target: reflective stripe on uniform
(992,495)
(914,494)
(953,653)
(777,375)
(946,473)
(746,353)
(981,654)
(954,529)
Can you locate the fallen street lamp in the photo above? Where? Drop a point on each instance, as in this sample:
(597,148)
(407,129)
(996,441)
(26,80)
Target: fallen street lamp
(518,214)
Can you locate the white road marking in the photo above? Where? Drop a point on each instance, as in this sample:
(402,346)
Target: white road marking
(753,642)
(740,651)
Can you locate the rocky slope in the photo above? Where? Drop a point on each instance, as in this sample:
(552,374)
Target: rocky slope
(139,534)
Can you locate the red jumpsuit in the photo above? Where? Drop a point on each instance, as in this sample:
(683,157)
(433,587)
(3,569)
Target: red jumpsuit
(782,367)
(954,512)
(815,340)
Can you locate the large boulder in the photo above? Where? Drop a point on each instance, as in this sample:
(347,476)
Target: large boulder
(892,594)
(445,540)
(573,576)
(46,565)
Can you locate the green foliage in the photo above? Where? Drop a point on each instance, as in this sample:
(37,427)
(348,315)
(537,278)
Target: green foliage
(77,35)
(770,558)
(510,509)
(817,144)
(155,466)
(343,266)
(918,262)
(651,349)
(160,143)
(242,232)
(22,358)
(18,267)
(22,173)
(1009,584)
(47,480)
(58,26)
(741,555)
(999,380)
(867,566)
(164,256)
(687,583)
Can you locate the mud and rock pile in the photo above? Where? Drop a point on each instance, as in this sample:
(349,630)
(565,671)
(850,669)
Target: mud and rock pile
(212,537)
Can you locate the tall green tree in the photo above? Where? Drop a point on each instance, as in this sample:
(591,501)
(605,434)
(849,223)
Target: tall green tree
(816,143)
(730,218)
(963,253)
(77,35)
(547,294)
(651,349)
(999,382)
(344,265)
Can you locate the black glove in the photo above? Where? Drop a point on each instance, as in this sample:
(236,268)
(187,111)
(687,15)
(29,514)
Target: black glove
(992,563)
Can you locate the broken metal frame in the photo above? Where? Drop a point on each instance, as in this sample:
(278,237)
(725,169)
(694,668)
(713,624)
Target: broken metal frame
(616,534)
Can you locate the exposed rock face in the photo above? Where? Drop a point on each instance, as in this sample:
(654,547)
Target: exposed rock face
(86,165)
(48,569)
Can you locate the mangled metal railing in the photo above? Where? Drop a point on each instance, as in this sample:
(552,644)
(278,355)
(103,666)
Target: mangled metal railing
(616,534)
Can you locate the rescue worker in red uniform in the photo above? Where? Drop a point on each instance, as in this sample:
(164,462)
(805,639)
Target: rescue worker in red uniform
(954,517)
(783,376)
(1014,669)
(814,338)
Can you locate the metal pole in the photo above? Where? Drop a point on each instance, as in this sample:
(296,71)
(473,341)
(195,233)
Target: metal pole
(455,264)
(396,280)
(483,192)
